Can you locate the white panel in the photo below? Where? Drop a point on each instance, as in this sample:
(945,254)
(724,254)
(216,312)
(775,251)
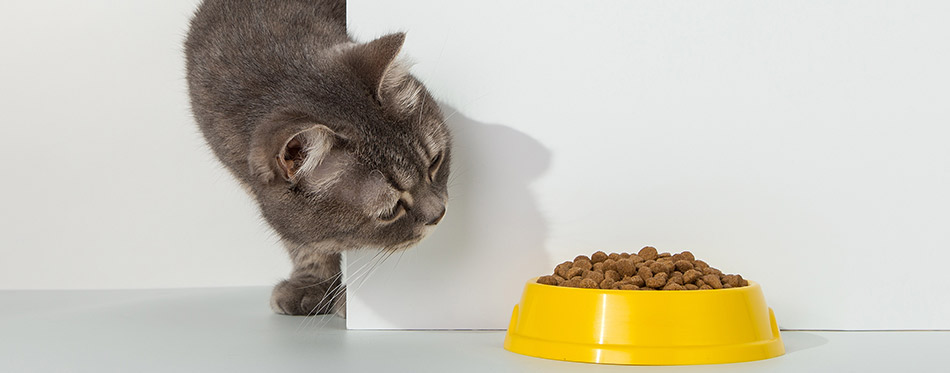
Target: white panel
(802,144)
(107,182)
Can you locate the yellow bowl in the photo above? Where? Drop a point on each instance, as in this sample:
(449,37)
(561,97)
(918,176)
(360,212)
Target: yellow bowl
(644,327)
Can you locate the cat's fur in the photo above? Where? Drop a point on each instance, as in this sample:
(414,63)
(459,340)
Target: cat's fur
(338,144)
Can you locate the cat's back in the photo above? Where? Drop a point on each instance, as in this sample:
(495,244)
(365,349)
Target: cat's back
(242,54)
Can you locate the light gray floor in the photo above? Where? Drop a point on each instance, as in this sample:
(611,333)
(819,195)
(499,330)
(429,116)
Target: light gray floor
(231,329)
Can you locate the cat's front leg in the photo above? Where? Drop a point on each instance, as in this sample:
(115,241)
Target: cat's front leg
(314,286)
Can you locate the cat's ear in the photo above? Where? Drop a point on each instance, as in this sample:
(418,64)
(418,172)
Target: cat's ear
(287,151)
(375,62)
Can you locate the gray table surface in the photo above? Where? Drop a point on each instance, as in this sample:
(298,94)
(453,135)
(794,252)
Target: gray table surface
(232,329)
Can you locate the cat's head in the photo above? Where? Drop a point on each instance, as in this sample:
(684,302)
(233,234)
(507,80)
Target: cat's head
(360,158)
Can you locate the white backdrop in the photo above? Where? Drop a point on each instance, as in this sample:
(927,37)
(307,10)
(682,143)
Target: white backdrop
(802,144)
(774,140)
(106,182)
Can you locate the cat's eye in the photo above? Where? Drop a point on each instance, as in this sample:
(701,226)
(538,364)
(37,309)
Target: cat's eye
(398,210)
(434,167)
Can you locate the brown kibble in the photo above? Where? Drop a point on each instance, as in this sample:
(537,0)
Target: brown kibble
(648,253)
(691,275)
(636,280)
(658,267)
(673,286)
(657,281)
(677,278)
(599,267)
(613,275)
(574,272)
(731,280)
(646,270)
(561,269)
(596,276)
(572,283)
(585,264)
(712,280)
(683,265)
(645,273)
(588,284)
(547,280)
(626,267)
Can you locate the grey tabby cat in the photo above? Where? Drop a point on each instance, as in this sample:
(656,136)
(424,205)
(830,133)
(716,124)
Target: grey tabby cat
(339,145)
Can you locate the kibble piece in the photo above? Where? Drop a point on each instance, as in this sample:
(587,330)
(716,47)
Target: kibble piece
(626,267)
(673,286)
(561,269)
(598,257)
(691,275)
(547,280)
(712,271)
(705,287)
(677,278)
(580,258)
(588,283)
(596,276)
(657,281)
(574,272)
(607,284)
(610,265)
(699,264)
(636,259)
(731,280)
(585,264)
(614,256)
(613,275)
(664,255)
(624,255)
(629,287)
(712,280)
(683,265)
(647,253)
(700,282)
(691,287)
(658,267)
(636,280)
(599,267)
(572,283)
(743,282)
(645,272)
(688,256)
(726,286)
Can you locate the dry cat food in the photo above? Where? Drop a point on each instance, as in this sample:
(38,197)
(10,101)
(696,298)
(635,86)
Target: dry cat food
(645,270)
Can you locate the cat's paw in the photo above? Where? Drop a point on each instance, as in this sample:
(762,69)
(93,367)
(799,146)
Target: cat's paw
(292,297)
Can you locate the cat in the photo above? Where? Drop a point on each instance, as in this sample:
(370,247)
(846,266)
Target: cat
(337,143)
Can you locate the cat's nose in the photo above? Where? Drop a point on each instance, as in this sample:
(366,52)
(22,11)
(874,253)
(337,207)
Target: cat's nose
(438,218)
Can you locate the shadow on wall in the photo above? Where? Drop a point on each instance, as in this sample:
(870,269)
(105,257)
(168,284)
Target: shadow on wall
(473,267)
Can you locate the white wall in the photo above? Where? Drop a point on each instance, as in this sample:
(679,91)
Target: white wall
(106,181)
(802,144)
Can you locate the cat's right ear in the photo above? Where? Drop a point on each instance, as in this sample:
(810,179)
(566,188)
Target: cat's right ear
(373,62)
(284,152)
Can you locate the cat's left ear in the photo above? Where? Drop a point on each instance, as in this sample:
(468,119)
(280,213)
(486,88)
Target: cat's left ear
(375,62)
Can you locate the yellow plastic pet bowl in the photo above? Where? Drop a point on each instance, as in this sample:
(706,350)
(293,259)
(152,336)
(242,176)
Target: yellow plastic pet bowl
(644,327)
